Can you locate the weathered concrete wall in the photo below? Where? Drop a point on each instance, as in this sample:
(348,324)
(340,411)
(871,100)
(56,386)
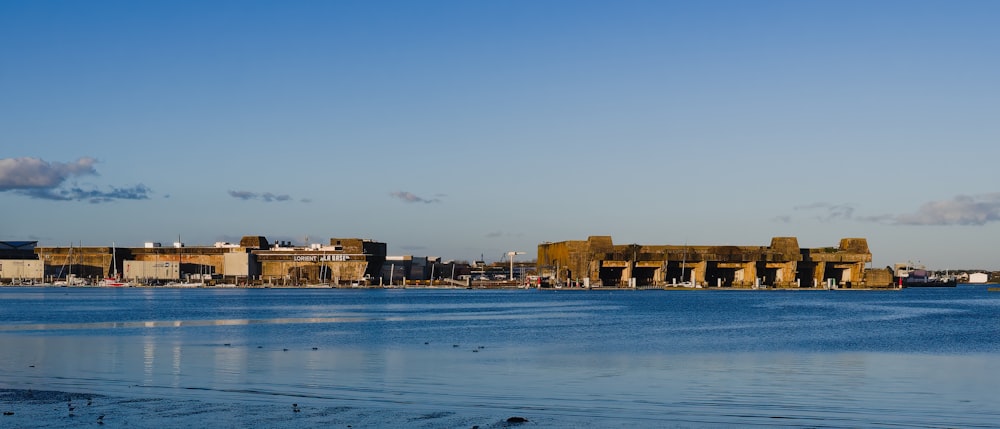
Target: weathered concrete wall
(92,263)
(192,260)
(568,259)
(782,264)
(345,260)
(844,265)
(303,273)
(877,277)
(254,242)
(349,245)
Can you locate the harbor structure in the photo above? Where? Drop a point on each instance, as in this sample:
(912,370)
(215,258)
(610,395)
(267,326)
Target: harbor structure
(344,261)
(598,262)
(253,261)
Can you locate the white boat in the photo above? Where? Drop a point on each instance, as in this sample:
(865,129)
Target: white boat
(184,284)
(71,280)
(114,280)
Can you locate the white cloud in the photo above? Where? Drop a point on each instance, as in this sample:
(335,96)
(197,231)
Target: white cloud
(960,210)
(34,173)
(36,178)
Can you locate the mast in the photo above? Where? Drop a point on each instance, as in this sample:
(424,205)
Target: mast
(114,261)
(684,262)
(69,262)
(177,248)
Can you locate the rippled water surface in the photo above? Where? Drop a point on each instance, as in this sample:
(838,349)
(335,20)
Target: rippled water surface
(463,358)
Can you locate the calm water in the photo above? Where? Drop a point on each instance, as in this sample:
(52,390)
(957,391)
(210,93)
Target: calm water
(459,358)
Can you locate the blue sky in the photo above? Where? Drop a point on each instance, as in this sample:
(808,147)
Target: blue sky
(460,129)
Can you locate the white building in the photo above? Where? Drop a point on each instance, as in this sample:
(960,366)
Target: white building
(979,278)
(17,271)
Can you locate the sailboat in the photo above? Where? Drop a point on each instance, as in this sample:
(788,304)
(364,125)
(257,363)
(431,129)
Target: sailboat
(69,276)
(71,279)
(114,280)
(687,283)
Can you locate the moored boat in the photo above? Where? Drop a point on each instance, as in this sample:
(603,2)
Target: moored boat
(908,275)
(113,282)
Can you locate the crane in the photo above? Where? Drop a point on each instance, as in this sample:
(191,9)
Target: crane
(511,256)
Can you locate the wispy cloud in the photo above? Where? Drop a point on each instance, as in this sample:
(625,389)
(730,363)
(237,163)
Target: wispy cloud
(266,197)
(243,195)
(782,219)
(959,210)
(37,178)
(499,234)
(826,212)
(411,198)
(968,210)
(93,196)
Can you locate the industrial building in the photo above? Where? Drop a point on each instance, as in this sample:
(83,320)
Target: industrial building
(344,261)
(18,263)
(423,270)
(598,262)
(594,262)
(254,261)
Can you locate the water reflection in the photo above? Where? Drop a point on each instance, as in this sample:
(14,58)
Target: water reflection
(175,366)
(173,323)
(842,360)
(281,321)
(149,359)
